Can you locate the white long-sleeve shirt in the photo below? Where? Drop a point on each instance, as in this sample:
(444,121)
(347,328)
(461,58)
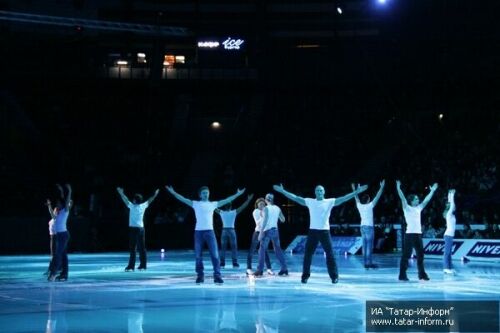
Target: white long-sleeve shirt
(451,220)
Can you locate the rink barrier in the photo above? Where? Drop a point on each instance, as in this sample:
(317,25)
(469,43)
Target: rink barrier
(472,249)
(341,245)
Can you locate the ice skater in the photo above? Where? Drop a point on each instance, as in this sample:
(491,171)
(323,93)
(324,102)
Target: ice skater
(258,217)
(137,234)
(52,234)
(319,228)
(449,234)
(204,229)
(413,235)
(365,209)
(270,233)
(64,204)
(228,217)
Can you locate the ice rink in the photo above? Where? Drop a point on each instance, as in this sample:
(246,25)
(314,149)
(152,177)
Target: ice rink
(100,297)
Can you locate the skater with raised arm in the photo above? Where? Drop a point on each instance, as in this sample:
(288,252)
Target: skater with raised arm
(137,235)
(64,204)
(413,236)
(228,235)
(319,228)
(365,208)
(204,229)
(449,234)
(52,234)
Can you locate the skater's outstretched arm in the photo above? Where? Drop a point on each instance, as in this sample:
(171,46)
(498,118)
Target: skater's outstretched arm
(428,198)
(69,202)
(178,196)
(349,196)
(153,197)
(280,189)
(51,210)
(224,202)
(123,196)
(379,193)
(61,191)
(451,200)
(245,204)
(356,197)
(281,217)
(401,194)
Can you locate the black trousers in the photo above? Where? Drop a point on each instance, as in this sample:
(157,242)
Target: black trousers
(61,254)
(412,241)
(137,240)
(313,237)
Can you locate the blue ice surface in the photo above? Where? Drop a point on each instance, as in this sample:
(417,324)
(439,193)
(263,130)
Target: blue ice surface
(100,297)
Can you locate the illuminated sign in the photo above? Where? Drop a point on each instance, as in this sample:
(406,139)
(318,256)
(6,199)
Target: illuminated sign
(208,44)
(232,44)
(228,44)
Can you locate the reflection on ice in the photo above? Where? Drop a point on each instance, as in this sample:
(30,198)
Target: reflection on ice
(135,322)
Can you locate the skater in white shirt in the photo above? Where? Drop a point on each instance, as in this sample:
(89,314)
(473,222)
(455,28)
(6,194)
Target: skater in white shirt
(258,217)
(204,229)
(449,234)
(52,234)
(228,235)
(137,234)
(413,234)
(365,208)
(319,229)
(270,233)
(64,204)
